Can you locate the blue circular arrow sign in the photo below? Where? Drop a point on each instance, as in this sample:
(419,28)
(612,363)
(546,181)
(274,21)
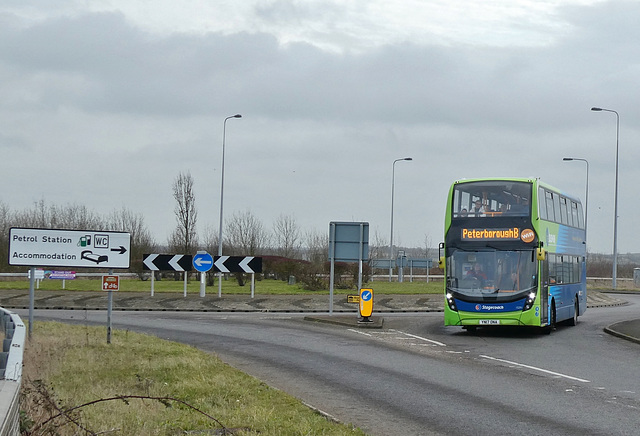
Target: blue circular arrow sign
(202,261)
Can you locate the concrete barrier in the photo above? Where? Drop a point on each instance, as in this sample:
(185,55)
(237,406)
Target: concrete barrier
(11,372)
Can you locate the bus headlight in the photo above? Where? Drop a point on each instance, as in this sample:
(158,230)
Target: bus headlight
(451,302)
(528,304)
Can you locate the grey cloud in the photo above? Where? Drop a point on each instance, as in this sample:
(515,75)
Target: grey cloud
(319,128)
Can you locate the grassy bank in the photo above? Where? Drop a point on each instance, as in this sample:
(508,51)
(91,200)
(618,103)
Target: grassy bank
(263,287)
(266,287)
(150,387)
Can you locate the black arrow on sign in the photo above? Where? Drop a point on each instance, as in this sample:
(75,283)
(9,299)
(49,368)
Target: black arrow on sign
(122,250)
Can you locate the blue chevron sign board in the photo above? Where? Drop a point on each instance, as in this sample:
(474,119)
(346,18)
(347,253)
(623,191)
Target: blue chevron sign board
(241,264)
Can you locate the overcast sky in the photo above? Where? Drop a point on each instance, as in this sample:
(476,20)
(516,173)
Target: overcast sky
(104,103)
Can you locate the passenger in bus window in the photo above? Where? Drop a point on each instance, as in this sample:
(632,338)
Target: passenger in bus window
(477,208)
(463,212)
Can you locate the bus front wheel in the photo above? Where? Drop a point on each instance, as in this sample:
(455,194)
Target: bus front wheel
(574,321)
(552,319)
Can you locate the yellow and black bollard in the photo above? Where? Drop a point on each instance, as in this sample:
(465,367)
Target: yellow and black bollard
(366,304)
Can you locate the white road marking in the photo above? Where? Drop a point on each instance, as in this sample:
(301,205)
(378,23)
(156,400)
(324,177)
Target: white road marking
(358,331)
(546,371)
(422,339)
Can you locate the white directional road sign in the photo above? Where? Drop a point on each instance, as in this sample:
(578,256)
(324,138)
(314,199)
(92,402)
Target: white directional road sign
(69,248)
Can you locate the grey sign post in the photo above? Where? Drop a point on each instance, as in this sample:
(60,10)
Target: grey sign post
(348,242)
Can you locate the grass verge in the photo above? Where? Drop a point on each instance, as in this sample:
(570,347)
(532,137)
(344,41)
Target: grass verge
(262,287)
(150,387)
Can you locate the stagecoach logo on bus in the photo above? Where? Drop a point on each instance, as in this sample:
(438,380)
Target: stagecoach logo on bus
(511,306)
(510,234)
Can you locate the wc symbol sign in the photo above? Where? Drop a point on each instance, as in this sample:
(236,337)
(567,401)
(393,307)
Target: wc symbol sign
(99,241)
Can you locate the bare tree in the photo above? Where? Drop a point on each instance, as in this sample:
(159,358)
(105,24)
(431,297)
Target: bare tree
(427,246)
(246,234)
(71,217)
(210,243)
(75,217)
(5,224)
(124,220)
(184,238)
(286,234)
(317,245)
(380,247)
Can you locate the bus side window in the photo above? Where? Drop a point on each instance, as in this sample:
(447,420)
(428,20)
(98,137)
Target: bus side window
(542,205)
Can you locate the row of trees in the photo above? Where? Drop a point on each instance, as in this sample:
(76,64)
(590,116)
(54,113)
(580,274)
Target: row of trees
(285,248)
(74,217)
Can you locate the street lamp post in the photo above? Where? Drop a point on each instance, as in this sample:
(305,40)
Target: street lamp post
(615,204)
(393,181)
(586,197)
(224,134)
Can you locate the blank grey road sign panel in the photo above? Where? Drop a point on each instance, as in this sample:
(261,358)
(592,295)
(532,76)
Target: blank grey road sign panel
(349,241)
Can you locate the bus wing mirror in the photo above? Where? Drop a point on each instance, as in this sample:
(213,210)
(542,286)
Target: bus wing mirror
(441,262)
(541,254)
(440,255)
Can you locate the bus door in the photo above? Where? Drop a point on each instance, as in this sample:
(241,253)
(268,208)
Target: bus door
(544,291)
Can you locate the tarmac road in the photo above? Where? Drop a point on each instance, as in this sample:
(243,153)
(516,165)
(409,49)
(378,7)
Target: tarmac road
(316,305)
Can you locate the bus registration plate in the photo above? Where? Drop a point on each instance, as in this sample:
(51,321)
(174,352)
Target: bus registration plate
(489,322)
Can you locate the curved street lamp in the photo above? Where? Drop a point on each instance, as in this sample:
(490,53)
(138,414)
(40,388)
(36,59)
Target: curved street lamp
(224,134)
(615,204)
(393,177)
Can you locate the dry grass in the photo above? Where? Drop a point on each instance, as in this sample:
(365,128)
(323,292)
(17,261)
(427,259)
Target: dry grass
(67,366)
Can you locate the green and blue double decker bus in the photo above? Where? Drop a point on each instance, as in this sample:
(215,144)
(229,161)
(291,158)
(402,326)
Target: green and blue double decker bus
(514,254)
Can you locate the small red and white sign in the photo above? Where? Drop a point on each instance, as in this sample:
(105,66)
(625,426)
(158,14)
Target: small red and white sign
(110,283)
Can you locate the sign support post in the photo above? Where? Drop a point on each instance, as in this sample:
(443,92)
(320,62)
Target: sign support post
(332,256)
(348,242)
(110,283)
(253,284)
(153,282)
(32,297)
(185,283)
(109,309)
(202,262)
